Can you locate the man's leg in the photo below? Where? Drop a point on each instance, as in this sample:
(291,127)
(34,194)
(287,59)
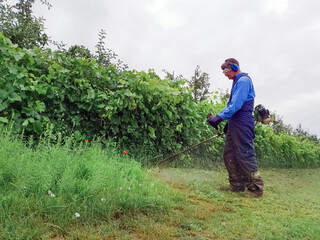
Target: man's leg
(235,176)
(246,159)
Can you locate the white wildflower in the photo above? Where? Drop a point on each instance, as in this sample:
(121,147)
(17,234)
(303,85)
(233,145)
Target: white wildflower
(77,214)
(51,194)
(129,188)
(120,188)
(103,199)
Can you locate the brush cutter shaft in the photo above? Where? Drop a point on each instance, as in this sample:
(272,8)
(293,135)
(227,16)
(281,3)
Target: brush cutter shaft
(187,149)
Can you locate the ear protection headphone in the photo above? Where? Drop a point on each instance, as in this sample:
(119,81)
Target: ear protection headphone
(234,66)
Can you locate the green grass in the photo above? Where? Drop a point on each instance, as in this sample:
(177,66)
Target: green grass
(290,208)
(43,189)
(167,203)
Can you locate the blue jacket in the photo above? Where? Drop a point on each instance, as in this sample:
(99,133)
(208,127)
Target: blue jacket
(242,91)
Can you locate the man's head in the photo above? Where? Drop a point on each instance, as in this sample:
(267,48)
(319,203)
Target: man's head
(230,68)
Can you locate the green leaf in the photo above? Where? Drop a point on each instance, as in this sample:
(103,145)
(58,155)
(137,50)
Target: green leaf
(151,132)
(3,94)
(18,55)
(41,88)
(179,127)
(130,129)
(13,69)
(46,119)
(13,97)
(25,123)
(3,120)
(169,114)
(37,127)
(31,120)
(101,106)
(41,107)
(26,111)
(3,106)
(64,70)
(128,93)
(91,94)
(77,135)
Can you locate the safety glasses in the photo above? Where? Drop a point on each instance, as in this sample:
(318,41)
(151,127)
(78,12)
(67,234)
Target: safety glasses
(225,71)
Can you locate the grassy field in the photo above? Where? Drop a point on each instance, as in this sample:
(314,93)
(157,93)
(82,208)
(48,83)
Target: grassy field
(51,192)
(290,209)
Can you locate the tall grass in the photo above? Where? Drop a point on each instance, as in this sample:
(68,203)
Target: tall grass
(48,189)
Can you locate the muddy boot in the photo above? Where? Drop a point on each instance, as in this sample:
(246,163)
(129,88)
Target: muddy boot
(233,188)
(238,189)
(256,194)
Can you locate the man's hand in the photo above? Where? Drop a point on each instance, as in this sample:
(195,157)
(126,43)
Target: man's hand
(209,115)
(214,120)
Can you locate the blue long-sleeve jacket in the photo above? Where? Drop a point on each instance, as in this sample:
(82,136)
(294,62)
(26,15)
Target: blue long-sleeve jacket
(242,91)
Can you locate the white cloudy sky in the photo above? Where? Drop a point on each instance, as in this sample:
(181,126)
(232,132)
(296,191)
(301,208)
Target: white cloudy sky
(276,41)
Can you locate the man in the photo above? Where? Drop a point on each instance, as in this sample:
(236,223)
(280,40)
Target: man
(239,152)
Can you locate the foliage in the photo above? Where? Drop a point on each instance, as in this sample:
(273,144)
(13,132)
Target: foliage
(303,134)
(45,91)
(19,24)
(172,76)
(285,151)
(49,93)
(279,127)
(77,51)
(200,84)
(104,56)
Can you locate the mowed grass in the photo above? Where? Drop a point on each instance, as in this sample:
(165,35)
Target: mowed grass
(290,209)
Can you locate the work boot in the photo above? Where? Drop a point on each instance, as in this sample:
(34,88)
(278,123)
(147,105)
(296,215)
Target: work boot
(238,189)
(233,188)
(255,189)
(256,194)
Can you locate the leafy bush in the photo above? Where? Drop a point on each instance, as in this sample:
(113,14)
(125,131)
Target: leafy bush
(49,91)
(50,94)
(284,150)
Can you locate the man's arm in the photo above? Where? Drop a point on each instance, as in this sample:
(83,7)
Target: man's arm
(239,97)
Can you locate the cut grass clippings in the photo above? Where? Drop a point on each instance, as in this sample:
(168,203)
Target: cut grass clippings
(289,209)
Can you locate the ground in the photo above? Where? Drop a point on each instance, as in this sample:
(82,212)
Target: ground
(289,209)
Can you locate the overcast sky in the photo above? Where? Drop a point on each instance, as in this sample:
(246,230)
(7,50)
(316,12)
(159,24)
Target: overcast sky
(276,41)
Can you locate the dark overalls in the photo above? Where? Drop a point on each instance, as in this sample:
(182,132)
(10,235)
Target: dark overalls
(239,153)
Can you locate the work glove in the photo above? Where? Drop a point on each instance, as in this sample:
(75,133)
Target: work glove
(209,115)
(214,120)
